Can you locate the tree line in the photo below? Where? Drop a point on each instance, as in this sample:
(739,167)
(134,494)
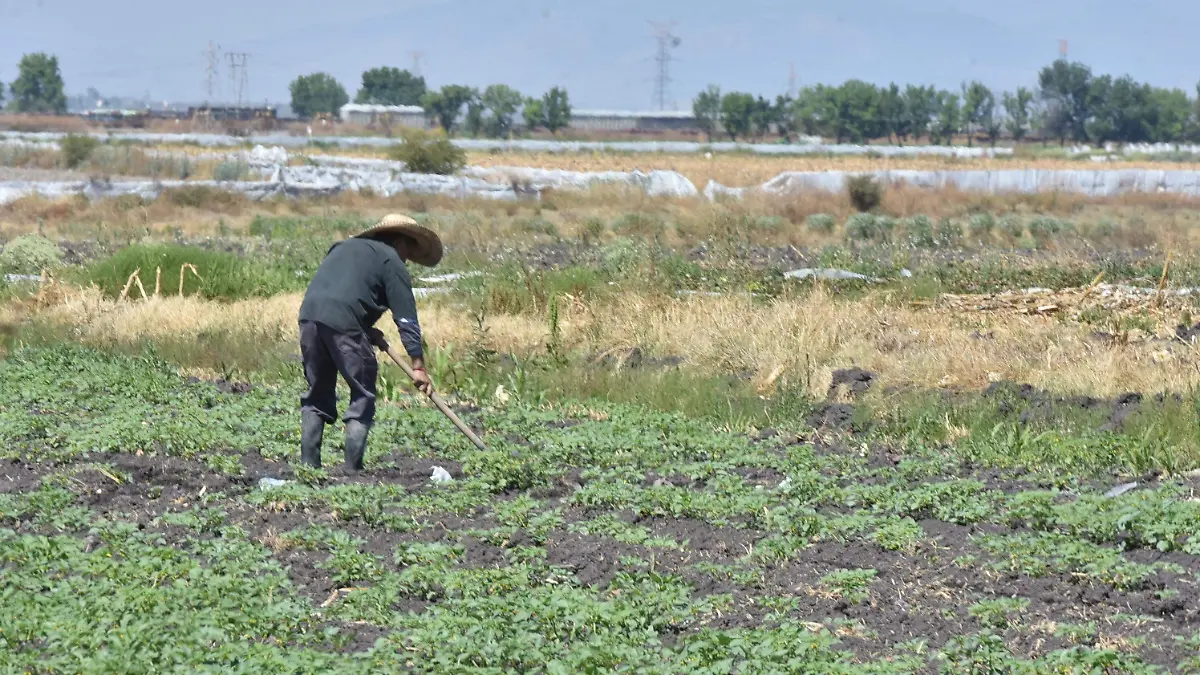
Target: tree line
(490,112)
(1068,103)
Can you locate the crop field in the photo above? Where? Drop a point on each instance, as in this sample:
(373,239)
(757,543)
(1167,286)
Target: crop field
(948,433)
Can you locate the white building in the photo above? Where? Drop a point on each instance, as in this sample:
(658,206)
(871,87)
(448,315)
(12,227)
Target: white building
(628,120)
(399,115)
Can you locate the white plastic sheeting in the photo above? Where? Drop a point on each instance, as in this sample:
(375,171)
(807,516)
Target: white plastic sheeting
(528,145)
(517,183)
(1094,183)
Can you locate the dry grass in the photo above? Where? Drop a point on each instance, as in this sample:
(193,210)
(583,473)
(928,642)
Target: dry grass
(743,169)
(798,341)
(63,123)
(1136,220)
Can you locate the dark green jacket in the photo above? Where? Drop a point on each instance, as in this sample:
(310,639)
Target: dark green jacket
(357,281)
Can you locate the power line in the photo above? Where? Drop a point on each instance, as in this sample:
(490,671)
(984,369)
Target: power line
(212,81)
(662,80)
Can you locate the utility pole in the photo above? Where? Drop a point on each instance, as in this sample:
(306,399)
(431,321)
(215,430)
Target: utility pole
(212,82)
(662,81)
(238,78)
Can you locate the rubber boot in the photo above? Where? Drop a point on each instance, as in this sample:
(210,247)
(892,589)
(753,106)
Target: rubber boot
(312,429)
(356,444)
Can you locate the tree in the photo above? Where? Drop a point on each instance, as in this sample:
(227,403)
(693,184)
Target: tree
(317,93)
(949,117)
(534,113)
(785,119)
(556,109)
(1170,109)
(707,109)
(992,122)
(446,105)
(39,85)
(810,111)
(920,106)
(390,86)
(1117,110)
(737,114)
(502,101)
(474,122)
(854,111)
(891,111)
(762,117)
(1016,108)
(977,99)
(1066,88)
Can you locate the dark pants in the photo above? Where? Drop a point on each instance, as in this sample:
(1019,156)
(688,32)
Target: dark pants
(327,352)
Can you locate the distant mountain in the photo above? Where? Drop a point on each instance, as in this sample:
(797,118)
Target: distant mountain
(602,51)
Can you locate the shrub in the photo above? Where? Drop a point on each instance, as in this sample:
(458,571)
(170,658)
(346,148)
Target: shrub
(769,223)
(622,256)
(231,171)
(593,229)
(884,225)
(539,226)
(1042,228)
(29,254)
(1012,226)
(865,192)
(919,230)
(949,232)
(77,148)
(820,222)
(422,153)
(1105,229)
(638,223)
(861,227)
(981,224)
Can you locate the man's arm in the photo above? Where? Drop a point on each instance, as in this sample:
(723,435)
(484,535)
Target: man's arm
(403,305)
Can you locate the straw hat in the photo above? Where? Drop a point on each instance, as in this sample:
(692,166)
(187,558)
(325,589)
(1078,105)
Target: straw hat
(425,248)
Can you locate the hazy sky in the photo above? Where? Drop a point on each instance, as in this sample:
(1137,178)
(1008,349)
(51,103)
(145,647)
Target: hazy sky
(602,51)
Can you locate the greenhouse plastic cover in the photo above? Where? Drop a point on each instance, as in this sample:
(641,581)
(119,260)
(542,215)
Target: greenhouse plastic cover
(530,145)
(331,174)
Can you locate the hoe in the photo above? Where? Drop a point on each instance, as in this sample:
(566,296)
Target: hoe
(437,400)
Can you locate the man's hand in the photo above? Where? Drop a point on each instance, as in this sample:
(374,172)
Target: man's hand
(376,337)
(421,378)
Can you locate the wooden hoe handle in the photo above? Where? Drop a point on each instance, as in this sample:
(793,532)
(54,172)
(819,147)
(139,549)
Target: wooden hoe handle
(437,400)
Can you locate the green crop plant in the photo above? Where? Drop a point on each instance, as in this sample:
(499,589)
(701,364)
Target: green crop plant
(998,613)
(853,586)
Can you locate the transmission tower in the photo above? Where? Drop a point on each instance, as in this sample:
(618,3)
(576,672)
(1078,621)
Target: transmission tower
(662,81)
(238,79)
(792,80)
(1062,49)
(417,56)
(212,82)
